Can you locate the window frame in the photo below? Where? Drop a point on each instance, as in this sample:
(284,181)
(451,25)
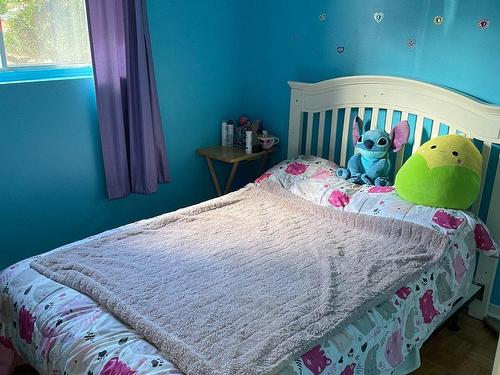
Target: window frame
(38,72)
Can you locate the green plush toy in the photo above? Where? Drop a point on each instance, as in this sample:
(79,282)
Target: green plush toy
(444,172)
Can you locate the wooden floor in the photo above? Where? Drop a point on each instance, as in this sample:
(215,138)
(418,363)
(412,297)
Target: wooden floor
(470,351)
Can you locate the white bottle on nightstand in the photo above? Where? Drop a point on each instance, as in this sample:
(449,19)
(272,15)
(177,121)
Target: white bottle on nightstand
(223,133)
(230,134)
(248,141)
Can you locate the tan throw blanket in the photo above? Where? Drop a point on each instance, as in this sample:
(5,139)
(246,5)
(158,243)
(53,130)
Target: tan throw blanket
(245,283)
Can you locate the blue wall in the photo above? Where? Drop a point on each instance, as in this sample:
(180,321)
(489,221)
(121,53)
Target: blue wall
(52,181)
(289,41)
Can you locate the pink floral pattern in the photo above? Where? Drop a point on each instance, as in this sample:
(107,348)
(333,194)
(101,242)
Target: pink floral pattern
(459,268)
(115,367)
(349,370)
(26,325)
(446,220)
(483,238)
(49,339)
(393,347)
(338,199)
(404,292)
(381,189)
(322,174)
(263,177)
(316,360)
(6,342)
(296,168)
(427,308)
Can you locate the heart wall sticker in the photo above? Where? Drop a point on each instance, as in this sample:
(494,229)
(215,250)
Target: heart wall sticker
(438,20)
(340,49)
(378,17)
(483,23)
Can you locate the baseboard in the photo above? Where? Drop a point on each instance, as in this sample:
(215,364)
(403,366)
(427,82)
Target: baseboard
(494,311)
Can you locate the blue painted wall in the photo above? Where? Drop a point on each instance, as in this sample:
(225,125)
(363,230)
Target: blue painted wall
(52,181)
(287,40)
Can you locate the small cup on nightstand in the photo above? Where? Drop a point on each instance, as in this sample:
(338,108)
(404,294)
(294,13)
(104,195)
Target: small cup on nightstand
(266,142)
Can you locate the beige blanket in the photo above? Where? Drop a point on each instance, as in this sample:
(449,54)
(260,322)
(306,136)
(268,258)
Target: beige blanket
(245,283)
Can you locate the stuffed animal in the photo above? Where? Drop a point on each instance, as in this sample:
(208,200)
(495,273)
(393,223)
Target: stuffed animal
(444,172)
(370,163)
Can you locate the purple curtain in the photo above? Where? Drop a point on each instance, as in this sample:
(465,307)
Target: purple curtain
(129,116)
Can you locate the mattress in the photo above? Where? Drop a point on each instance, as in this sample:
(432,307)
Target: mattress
(58,330)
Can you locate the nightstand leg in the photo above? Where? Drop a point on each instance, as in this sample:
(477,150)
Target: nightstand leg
(214,176)
(231,177)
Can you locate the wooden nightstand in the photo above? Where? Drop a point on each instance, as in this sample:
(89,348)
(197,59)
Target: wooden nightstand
(232,155)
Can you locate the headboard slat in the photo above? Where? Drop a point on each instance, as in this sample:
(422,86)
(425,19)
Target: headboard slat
(435,128)
(361,114)
(321,132)
(419,128)
(374,119)
(486,157)
(388,120)
(309,132)
(296,123)
(400,154)
(493,218)
(345,136)
(333,132)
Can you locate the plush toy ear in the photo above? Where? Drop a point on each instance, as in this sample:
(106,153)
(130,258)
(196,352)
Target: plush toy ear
(357,129)
(399,135)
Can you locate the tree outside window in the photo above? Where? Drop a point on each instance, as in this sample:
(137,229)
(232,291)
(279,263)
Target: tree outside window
(44,32)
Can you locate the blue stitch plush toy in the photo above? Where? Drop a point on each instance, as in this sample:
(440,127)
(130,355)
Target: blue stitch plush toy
(370,163)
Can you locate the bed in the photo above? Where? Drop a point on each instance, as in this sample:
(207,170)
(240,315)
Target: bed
(59,330)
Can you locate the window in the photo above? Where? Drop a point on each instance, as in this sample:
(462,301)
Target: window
(43,39)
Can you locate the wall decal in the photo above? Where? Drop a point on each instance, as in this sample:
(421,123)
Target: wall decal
(378,17)
(483,23)
(438,20)
(323,16)
(340,49)
(411,43)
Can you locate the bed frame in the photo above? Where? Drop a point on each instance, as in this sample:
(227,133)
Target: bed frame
(321,116)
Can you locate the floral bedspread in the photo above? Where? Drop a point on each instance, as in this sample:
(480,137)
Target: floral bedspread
(60,331)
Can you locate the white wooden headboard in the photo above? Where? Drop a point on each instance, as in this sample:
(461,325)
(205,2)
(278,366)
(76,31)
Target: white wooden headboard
(321,116)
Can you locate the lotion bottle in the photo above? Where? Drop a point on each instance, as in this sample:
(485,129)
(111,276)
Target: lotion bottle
(230,133)
(248,141)
(223,133)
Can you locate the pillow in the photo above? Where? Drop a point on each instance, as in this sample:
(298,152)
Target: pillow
(315,180)
(444,172)
(312,178)
(300,168)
